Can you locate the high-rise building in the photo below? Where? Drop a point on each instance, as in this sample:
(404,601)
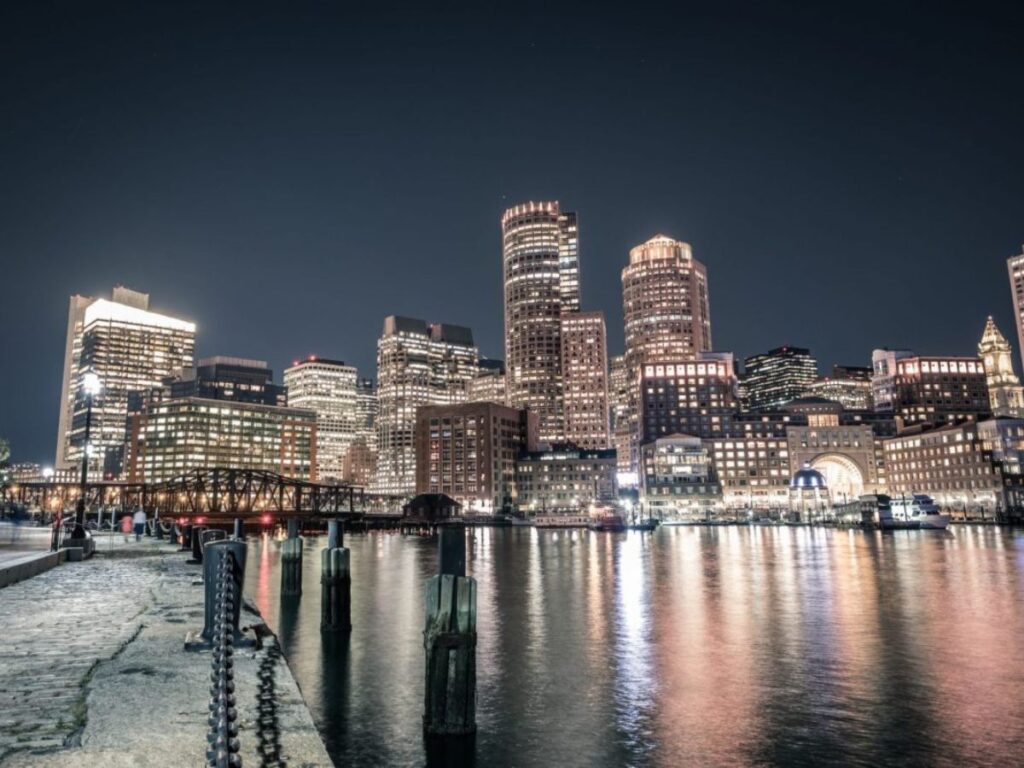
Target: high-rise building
(328,388)
(917,389)
(540,250)
(1006,395)
(585,379)
(848,385)
(468,451)
(774,378)
(417,364)
(225,413)
(131,350)
(1015,265)
(489,385)
(696,398)
(667,313)
(618,410)
(359,465)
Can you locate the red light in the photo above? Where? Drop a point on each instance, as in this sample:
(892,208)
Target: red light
(312,357)
(200,520)
(266,519)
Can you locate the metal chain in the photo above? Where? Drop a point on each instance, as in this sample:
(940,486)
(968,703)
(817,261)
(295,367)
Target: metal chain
(267,726)
(223,746)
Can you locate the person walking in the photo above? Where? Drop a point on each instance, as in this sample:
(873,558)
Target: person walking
(139,519)
(126,527)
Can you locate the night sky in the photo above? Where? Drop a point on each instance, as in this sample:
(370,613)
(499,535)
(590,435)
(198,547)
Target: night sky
(287,175)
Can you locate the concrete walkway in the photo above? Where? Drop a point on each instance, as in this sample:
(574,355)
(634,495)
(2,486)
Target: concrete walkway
(94,672)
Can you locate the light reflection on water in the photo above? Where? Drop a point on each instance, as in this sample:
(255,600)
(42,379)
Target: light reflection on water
(689,646)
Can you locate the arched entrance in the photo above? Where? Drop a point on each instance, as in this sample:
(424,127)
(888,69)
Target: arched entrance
(844,477)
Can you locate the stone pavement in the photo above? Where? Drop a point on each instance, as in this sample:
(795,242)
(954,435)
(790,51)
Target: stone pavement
(94,671)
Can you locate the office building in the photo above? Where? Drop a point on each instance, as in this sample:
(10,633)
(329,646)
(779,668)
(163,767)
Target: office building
(917,389)
(565,478)
(417,364)
(678,479)
(468,452)
(775,377)
(130,349)
(540,250)
(585,379)
(329,389)
(489,385)
(618,410)
(695,398)
(1005,393)
(228,378)
(847,385)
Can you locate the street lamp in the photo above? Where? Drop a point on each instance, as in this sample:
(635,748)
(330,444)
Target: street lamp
(91,387)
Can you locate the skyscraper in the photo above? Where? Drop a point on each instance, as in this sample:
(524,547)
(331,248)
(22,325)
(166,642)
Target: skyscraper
(585,379)
(929,390)
(328,388)
(417,364)
(540,247)
(360,463)
(1004,390)
(131,350)
(1015,265)
(667,318)
(775,377)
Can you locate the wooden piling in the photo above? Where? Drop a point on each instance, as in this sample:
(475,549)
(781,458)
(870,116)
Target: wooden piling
(291,565)
(449,642)
(335,590)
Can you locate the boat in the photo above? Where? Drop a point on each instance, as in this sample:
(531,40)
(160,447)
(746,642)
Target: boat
(918,511)
(517,521)
(561,520)
(608,522)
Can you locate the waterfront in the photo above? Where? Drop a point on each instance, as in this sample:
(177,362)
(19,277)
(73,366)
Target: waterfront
(691,646)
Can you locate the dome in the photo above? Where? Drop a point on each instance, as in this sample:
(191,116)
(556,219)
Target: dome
(807,479)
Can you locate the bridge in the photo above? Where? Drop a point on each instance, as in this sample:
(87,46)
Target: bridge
(218,492)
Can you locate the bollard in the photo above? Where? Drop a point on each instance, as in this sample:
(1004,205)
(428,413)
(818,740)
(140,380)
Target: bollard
(186,537)
(197,543)
(291,561)
(449,641)
(215,552)
(239,529)
(158,530)
(335,583)
(209,536)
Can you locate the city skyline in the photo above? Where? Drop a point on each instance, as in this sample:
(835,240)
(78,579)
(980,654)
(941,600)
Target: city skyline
(270,238)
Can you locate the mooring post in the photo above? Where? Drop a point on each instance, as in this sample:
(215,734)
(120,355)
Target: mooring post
(197,543)
(335,582)
(239,529)
(291,560)
(449,640)
(186,537)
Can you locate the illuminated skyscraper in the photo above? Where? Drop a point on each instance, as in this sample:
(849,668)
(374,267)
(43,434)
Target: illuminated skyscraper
(929,390)
(131,350)
(489,386)
(1005,392)
(540,246)
(1015,265)
(667,317)
(775,377)
(328,388)
(585,379)
(417,364)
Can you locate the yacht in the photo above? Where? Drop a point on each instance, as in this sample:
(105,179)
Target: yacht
(919,511)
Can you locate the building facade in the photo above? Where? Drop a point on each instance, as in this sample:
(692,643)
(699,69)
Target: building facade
(667,314)
(417,364)
(917,389)
(618,410)
(695,398)
(329,389)
(585,379)
(489,385)
(468,451)
(678,479)
(540,256)
(131,350)
(1015,266)
(773,378)
(850,386)
(1005,393)
(564,479)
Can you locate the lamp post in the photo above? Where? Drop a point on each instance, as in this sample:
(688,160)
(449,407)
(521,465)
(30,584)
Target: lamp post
(91,387)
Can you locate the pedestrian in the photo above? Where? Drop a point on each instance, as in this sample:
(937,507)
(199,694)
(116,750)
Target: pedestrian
(126,527)
(140,523)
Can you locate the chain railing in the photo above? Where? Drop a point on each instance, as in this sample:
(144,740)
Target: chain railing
(222,751)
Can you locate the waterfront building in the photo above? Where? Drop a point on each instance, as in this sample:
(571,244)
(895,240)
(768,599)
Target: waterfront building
(1015,265)
(775,377)
(540,254)
(1006,395)
(678,479)
(694,398)
(916,389)
(468,452)
(667,315)
(585,379)
(848,385)
(489,385)
(809,494)
(956,466)
(329,388)
(417,364)
(618,411)
(565,478)
(130,349)
(753,467)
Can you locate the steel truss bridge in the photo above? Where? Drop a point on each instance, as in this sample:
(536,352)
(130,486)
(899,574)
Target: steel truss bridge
(214,492)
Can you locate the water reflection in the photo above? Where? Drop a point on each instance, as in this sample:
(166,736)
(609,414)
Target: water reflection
(691,646)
